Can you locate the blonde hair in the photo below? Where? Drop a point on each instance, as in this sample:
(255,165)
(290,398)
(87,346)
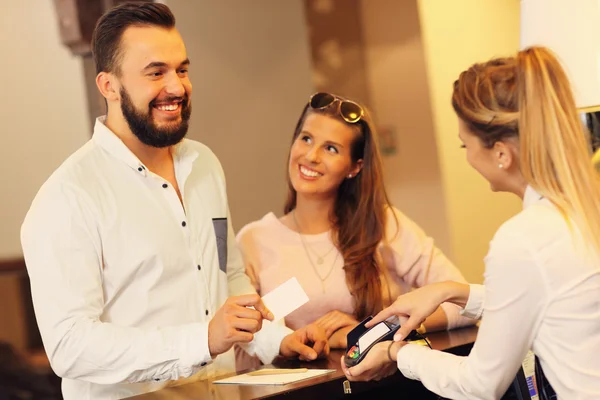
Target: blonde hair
(529,96)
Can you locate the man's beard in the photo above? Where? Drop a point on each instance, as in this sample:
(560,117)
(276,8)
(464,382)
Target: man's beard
(143,127)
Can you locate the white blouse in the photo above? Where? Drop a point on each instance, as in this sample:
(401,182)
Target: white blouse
(542,292)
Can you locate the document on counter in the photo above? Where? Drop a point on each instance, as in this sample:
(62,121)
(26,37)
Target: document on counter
(285,298)
(274,376)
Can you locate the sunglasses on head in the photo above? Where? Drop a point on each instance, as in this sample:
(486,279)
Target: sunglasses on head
(350,111)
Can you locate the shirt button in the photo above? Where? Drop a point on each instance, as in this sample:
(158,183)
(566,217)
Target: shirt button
(140,169)
(183,223)
(199,267)
(165,185)
(206,312)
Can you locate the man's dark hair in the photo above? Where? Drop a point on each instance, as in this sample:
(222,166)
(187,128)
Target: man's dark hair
(106,39)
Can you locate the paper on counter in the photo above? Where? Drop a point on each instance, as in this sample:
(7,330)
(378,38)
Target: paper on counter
(282,379)
(286,298)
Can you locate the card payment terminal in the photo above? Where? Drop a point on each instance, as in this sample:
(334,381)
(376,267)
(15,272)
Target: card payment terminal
(362,339)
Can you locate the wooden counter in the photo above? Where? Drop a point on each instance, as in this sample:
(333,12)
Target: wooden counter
(328,386)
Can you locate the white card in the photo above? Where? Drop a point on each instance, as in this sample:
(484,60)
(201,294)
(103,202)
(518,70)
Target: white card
(286,298)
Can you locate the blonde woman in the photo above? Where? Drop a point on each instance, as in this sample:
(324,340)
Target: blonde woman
(519,126)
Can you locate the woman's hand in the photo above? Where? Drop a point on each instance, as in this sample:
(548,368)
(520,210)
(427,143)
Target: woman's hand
(308,343)
(334,320)
(339,339)
(413,307)
(376,365)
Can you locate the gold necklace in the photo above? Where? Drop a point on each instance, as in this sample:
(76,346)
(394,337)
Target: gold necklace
(304,245)
(320,258)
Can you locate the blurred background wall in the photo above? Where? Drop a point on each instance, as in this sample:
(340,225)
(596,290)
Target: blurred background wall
(401,58)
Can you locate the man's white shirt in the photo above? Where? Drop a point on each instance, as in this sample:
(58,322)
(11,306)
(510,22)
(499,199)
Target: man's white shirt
(124,278)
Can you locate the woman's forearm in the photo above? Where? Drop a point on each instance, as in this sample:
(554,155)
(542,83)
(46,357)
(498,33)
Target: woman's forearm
(455,292)
(438,321)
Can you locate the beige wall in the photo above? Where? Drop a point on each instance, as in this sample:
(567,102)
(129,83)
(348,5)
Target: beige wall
(337,48)
(44,119)
(44,116)
(251,80)
(455,35)
(251,76)
(400,99)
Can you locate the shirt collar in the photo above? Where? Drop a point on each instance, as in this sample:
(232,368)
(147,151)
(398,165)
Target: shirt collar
(530,197)
(109,141)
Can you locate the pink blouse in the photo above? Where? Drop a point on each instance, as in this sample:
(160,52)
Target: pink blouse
(273,253)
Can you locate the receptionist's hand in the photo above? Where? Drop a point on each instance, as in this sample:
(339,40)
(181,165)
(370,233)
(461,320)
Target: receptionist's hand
(412,308)
(376,365)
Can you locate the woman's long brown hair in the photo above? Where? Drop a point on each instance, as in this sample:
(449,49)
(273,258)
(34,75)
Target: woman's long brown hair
(529,96)
(358,218)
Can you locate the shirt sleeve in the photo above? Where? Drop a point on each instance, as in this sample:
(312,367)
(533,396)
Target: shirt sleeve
(267,342)
(63,253)
(515,300)
(475,303)
(419,262)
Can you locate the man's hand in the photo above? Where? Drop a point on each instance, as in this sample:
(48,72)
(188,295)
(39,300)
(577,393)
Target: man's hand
(308,343)
(334,320)
(235,322)
(376,365)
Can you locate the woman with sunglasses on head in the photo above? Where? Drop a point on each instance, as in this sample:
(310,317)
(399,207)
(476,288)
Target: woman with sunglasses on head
(521,131)
(351,251)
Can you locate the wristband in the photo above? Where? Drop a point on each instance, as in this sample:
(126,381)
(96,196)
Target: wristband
(389,353)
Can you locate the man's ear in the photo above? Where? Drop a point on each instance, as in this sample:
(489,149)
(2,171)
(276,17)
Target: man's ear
(108,86)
